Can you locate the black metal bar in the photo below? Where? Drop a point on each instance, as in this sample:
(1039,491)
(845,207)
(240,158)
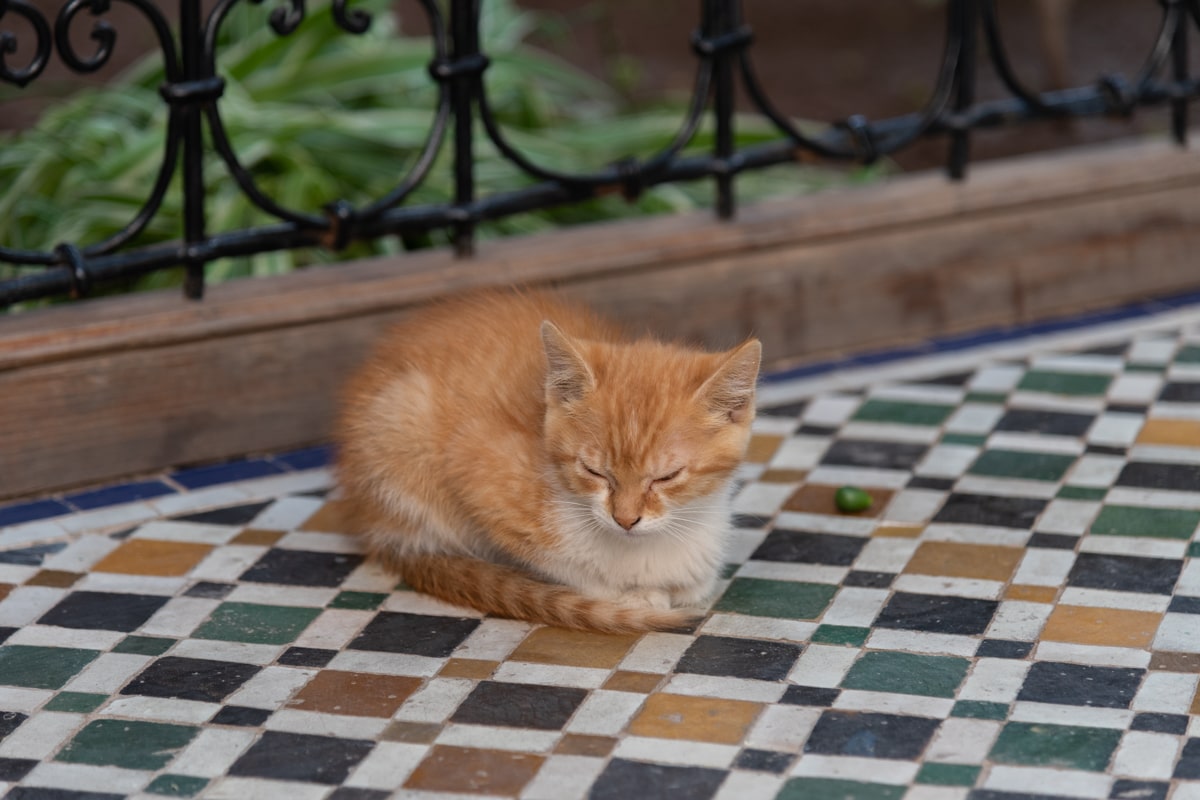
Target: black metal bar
(464,46)
(1179,72)
(191,37)
(721,18)
(967,13)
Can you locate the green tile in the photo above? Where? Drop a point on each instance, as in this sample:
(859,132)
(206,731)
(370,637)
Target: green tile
(995,398)
(1145,367)
(972,439)
(144,645)
(1194,550)
(131,744)
(1160,523)
(1022,464)
(786,599)
(1065,746)
(1082,493)
(1188,354)
(1072,383)
(256,624)
(948,774)
(41,667)
(75,702)
(840,634)
(837,789)
(903,413)
(907,673)
(979,709)
(358,601)
(177,785)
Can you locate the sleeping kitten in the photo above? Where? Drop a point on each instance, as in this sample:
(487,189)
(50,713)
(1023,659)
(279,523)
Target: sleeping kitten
(515,453)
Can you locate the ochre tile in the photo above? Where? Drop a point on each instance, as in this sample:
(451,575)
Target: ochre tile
(783,476)
(700,719)
(257,537)
(573,648)
(154,557)
(1111,627)
(473,668)
(357,694)
(577,744)
(959,560)
(895,530)
(1175,662)
(5,588)
(762,448)
(55,578)
(412,732)
(1195,709)
(1178,432)
(467,770)
(818,499)
(639,682)
(1031,594)
(333,517)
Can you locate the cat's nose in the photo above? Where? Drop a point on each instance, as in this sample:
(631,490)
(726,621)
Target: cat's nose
(626,522)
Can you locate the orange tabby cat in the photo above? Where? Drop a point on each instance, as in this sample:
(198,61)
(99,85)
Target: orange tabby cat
(515,453)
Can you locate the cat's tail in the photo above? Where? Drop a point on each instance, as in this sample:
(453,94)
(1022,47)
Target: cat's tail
(507,592)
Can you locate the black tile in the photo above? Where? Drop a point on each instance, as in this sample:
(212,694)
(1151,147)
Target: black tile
(1125,573)
(996,794)
(622,780)
(952,379)
(106,611)
(816,430)
(46,793)
(230,515)
(1053,541)
(1080,685)
(416,634)
(301,757)
(937,484)
(210,590)
(519,705)
(1124,789)
(739,658)
(937,614)
(749,521)
(1057,423)
(302,568)
(817,696)
(1126,408)
(1003,648)
(1106,350)
(241,716)
(1148,475)
(10,721)
(355,793)
(1184,605)
(14,769)
(191,679)
(1188,766)
(868,580)
(31,556)
(870,735)
(874,455)
(6,632)
(789,410)
(800,547)
(1180,392)
(1161,723)
(986,509)
(306,657)
(764,761)
(1104,450)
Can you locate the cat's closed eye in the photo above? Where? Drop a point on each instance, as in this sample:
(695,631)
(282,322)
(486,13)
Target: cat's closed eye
(669,477)
(595,472)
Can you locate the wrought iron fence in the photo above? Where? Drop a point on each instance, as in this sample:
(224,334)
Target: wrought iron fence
(722,43)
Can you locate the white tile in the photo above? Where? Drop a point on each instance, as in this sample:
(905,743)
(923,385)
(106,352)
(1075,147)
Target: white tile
(551,675)
(104,520)
(753,691)
(656,652)
(289,483)
(1134,546)
(320,724)
(772,425)
(231,788)
(996,379)
(387,766)
(922,642)
(227,561)
(420,603)
(823,665)
(108,673)
(920,393)
(54,636)
(947,586)
(1146,755)
(86,778)
(929,792)
(911,705)
(880,770)
(241,652)
(914,505)
(885,554)
(162,709)
(317,542)
(1055,402)
(81,554)
(1006,487)
(1115,430)
(1106,598)
(1092,654)
(275,595)
(1179,633)
(1019,620)
(21,699)
(494,639)
(605,713)
(800,452)
(855,606)
(492,737)
(741,785)
(1057,714)
(845,524)
(334,628)
(41,735)
(1095,471)
(28,533)
(676,751)
(386,663)
(1035,443)
(563,778)
(133,584)
(976,534)
(859,476)
(1135,388)
(889,432)
(963,741)
(28,603)
(1040,567)
(1151,350)
(758,627)
(762,498)
(1046,781)
(789,571)
(1166,693)
(1080,363)
(831,410)
(994,680)
(287,513)
(193,532)
(783,728)
(200,500)
(270,688)
(1189,579)
(179,617)
(947,461)
(974,418)
(435,701)
(1071,517)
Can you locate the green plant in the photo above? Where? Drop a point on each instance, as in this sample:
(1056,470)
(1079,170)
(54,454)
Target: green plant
(319,115)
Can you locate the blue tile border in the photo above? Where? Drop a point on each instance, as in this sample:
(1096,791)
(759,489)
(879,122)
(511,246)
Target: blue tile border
(322,455)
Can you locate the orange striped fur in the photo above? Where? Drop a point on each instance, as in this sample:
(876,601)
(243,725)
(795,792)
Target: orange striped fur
(517,454)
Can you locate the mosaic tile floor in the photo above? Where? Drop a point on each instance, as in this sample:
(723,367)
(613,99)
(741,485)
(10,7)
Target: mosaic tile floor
(1017,616)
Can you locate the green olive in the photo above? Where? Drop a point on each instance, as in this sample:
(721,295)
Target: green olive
(852,499)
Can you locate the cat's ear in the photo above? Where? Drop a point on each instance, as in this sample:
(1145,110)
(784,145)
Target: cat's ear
(730,390)
(568,376)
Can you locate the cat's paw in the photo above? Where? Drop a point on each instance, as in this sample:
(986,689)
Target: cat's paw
(652,598)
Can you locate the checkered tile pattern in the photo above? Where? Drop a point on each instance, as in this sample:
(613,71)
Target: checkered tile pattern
(1017,615)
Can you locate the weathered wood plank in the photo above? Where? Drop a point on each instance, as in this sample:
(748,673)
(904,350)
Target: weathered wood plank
(132,384)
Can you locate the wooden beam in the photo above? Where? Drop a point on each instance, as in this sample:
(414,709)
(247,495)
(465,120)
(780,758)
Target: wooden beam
(133,384)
